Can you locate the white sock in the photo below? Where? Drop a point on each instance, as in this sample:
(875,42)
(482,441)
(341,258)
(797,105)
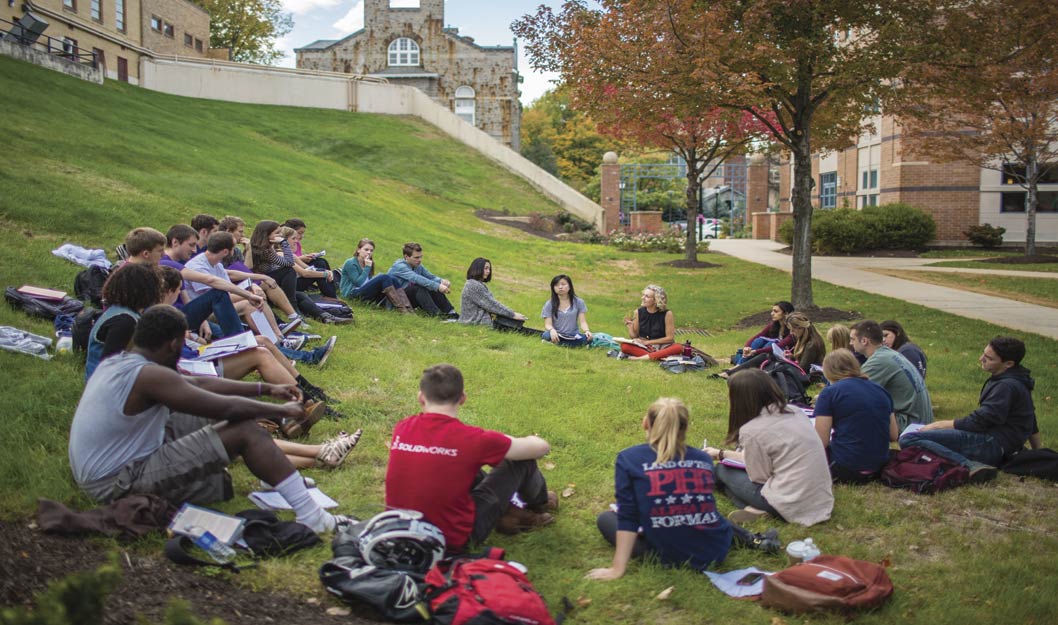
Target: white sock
(306,510)
(293,316)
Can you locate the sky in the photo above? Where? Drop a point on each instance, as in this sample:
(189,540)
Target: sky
(487,21)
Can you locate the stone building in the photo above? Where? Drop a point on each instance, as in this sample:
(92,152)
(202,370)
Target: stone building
(411,46)
(117,32)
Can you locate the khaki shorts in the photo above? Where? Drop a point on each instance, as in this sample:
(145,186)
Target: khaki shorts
(190,467)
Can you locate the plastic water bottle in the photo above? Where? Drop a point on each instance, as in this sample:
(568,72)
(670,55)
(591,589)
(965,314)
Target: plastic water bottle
(65,343)
(206,541)
(810,550)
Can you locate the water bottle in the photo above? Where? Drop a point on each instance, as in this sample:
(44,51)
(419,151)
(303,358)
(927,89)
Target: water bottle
(65,343)
(204,540)
(688,352)
(810,550)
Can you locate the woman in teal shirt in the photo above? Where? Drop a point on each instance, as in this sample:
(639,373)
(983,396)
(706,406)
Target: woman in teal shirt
(359,281)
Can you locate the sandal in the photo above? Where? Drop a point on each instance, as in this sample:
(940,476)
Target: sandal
(269,426)
(334,451)
(299,427)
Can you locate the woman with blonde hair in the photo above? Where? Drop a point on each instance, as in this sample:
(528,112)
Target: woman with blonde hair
(854,420)
(785,474)
(651,328)
(808,347)
(686,528)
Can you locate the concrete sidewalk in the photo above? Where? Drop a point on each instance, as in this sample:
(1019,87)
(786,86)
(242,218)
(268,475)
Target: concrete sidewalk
(854,272)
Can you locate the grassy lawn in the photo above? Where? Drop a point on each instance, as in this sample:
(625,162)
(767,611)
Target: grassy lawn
(983,264)
(970,253)
(1042,291)
(86,163)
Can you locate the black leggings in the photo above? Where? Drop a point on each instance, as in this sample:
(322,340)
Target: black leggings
(287,281)
(327,289)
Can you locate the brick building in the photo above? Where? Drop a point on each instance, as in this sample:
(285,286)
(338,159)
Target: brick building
(120,32)
(879,170)
(411,46)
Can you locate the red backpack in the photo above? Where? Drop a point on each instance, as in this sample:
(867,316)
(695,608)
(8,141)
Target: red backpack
(828,583)
(483,591)
(923,471)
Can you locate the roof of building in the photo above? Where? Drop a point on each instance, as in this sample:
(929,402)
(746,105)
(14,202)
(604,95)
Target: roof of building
(323,44)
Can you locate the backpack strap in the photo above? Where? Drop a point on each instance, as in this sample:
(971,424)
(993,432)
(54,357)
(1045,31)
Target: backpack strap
(176,549)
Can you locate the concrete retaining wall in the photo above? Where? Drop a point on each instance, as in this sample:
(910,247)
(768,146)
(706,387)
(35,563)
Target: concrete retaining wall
(235,82)
(51,61)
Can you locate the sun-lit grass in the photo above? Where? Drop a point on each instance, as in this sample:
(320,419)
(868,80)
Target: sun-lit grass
(86,163)
(983,264)
(1042,291)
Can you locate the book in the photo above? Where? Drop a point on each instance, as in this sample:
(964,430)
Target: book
(630,341)
(227,346)
(912,427)
(196,367)
(42,293)
(272,500)
(227,528)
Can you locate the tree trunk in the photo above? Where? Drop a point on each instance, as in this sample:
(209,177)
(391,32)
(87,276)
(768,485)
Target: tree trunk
(1032,200)
(801,284)
(693,184)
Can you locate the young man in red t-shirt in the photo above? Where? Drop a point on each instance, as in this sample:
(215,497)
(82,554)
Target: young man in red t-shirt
(435,463)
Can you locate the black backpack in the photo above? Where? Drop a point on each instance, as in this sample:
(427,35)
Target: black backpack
(42,308)
(1034,463)
(88,285)
(81,331)
(791,379)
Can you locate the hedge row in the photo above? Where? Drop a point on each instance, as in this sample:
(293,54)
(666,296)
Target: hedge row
(849,231)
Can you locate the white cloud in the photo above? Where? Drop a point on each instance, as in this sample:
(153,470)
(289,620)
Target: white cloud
(301,7)
(353,20)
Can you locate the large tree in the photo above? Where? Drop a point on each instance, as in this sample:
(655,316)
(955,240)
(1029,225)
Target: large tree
(248,28)
(989,93)
(628,68)
(808,69)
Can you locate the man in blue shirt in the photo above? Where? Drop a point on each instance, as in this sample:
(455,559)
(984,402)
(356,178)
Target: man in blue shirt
(425,290)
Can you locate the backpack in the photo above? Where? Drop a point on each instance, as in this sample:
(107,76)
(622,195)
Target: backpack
(484,590)
(923,471)
(88,285)
(268,537)
(827,583)
(1035,463)
(790,377)
(382,563)
(42,308)
(81,331)
(336,307)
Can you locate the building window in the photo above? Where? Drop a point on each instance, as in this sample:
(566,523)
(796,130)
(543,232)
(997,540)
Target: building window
(69,4)
(95,9)
(1014,173)
(869,200)
(1014,202)
(69,46)
(169,30)
(870,179)
(156,23)
(403,51)
(828,190)
(189,41)
(465,104)
(198,44)
(119,14)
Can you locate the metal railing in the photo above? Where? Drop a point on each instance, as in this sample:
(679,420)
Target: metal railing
(57,47)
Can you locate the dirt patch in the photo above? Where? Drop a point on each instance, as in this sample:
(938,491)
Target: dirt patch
(1021,260)
(519,223)
(683,263)
(30,559)
(816,314)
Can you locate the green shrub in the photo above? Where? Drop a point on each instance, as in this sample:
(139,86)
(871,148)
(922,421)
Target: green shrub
(985,235)
(786,231)
(899,226)
(841,231)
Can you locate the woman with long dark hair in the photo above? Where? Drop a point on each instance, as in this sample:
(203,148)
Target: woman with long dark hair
(273,257)
(894,337)
(785,472)
(776,330)
(478,305)
(807,348)
(311,264)
(666,488)
(564,314)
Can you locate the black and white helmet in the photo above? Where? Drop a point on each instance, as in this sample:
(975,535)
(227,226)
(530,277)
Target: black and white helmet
(401,540)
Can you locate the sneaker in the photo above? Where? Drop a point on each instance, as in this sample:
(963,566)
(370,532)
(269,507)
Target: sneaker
(983,473)
(333,451)
(747,516)
(293,342)
(325,350)
(288,327)
(517,520)
(453,315)
(331,319)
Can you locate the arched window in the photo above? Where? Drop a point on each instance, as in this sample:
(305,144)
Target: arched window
(403,51)
(465,103)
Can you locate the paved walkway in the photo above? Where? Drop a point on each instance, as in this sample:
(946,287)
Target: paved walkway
(855,272)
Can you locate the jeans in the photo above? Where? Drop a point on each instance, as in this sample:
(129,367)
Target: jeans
(213,302)
(307,356)
(970,449)
(371,291)
(433,302)
(753,362)
(755,344)
(492,493)
(742,492)
(580,342)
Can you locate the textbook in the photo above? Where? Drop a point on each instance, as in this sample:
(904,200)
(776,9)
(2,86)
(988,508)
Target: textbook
(196,367)
(227,528)
(42,293)
(227,346)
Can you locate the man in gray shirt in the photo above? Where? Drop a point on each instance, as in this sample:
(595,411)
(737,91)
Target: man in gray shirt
(884,366)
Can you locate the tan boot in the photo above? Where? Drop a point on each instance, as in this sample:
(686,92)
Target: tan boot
(399,299)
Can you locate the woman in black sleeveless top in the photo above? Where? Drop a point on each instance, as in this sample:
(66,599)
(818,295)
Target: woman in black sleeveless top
(652,328)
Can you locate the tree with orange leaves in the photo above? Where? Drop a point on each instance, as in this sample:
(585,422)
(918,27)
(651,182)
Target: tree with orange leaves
(630,72)
(989,94)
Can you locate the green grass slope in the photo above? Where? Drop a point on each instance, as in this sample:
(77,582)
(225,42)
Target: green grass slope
(85,163)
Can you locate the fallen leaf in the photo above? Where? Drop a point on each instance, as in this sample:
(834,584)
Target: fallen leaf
(664,594)
(568,492)
(339,611)
(583,601)
(777,620)
(549,465)
(312,601)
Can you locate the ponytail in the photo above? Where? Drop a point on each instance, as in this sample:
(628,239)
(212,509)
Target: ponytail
(668,418)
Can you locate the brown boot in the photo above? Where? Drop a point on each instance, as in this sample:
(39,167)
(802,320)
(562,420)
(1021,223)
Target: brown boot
(399,299)
(517,520)
(549,506)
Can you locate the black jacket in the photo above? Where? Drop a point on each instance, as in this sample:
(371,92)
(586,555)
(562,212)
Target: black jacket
(1005,411)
